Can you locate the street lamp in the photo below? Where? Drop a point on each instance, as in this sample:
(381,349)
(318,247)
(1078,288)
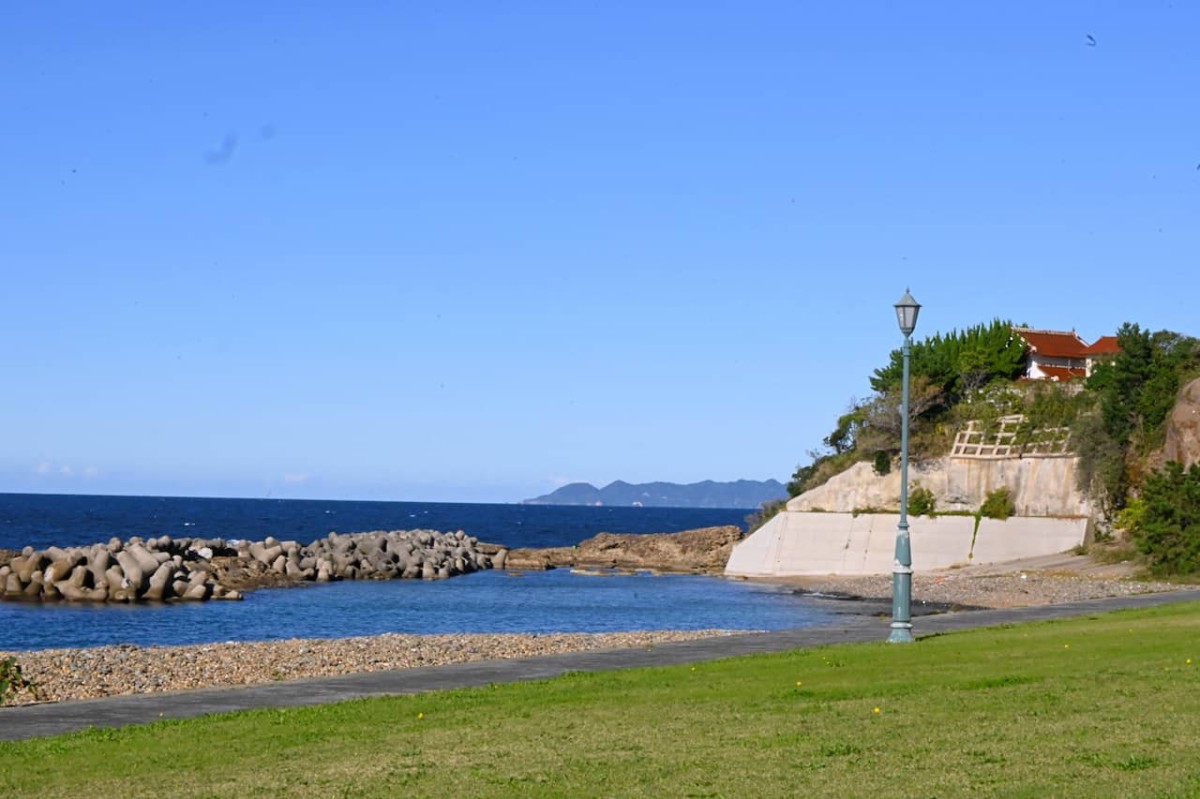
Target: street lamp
(906,314)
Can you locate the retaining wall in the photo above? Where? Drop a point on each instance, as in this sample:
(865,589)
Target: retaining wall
(1038,486)
(797,543)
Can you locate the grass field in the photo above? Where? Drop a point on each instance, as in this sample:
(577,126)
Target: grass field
(1107,706)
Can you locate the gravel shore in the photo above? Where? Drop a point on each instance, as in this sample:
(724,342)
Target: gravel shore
(983,590)
(65,674)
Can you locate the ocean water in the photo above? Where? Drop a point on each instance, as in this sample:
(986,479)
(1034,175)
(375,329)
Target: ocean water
(41,520)
(493,601)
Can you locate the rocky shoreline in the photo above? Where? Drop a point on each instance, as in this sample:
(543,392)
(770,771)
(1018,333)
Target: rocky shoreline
(165,569)
(702,551)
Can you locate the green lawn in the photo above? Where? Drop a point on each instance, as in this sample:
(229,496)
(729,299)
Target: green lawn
(1107,706)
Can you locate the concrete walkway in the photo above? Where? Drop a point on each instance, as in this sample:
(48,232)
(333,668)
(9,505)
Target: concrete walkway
(31,721)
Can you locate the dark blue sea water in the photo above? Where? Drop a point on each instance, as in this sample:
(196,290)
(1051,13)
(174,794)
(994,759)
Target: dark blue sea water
(543,602)
(41,520)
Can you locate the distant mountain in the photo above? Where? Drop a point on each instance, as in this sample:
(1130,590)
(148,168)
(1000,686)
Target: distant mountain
(706,494)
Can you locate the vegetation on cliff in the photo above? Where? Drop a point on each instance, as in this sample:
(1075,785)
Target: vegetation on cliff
(1114,421)
(968,374)
(1123,411)
(1168,528)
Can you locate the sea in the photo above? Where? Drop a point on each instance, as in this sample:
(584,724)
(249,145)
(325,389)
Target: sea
(558,600)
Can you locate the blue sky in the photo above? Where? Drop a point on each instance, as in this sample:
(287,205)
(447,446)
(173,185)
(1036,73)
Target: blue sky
(470,251)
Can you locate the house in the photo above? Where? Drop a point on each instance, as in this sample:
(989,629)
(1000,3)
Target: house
(1060,356)
(1100,350)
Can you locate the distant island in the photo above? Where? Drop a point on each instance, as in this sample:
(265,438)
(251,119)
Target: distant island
(706,494)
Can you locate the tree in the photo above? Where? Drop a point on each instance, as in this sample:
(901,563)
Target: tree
(1132,394)
(880,427)
(843,436)
(801,478)
(959,362)
(1170,526)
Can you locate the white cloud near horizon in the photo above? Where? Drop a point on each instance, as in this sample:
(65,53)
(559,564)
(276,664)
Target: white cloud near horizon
(51,469)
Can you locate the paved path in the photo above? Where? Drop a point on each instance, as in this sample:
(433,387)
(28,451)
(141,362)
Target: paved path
(31,721)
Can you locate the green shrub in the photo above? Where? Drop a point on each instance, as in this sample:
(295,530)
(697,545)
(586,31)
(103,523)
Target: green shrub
(766,511)
(1129,518)
(13,681)
(820,470)
(883,463)
(921,502)
(1170,525)
(998,504)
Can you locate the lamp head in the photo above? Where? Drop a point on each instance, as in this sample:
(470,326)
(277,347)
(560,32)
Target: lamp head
(906,313)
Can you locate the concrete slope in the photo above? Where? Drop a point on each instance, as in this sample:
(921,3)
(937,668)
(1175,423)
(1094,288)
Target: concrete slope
(797,543)
(1039,486)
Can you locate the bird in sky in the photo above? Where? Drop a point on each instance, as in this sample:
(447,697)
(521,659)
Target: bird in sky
(222,155)
(1091,40)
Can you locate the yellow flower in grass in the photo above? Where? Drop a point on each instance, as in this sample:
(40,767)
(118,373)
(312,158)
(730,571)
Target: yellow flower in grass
(420,716)
(877,711)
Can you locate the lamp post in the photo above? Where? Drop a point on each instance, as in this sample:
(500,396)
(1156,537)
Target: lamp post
(906,314)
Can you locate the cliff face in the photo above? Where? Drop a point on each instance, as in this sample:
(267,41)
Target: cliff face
(1183,428)
(1039,486)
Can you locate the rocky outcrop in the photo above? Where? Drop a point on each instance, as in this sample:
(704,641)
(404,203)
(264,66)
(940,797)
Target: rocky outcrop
(1039,486)
(162,569)
(1183,428)
(692,551)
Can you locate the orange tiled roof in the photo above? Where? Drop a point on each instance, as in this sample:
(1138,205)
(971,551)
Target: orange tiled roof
(1105,345)
(1062,374)
(1053,343)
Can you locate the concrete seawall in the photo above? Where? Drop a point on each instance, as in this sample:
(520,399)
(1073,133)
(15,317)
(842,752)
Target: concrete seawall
(797,543)
(1038,486)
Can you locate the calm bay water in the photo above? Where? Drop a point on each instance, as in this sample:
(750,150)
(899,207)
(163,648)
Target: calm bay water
(554,601)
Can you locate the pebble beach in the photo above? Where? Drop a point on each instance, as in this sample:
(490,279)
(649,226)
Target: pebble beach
(975,590)
(70,674)
(67,674)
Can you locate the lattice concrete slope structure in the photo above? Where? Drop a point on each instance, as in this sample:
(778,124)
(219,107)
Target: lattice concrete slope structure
(1007,441)
(1037,469)
(798,543)
(821,533)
